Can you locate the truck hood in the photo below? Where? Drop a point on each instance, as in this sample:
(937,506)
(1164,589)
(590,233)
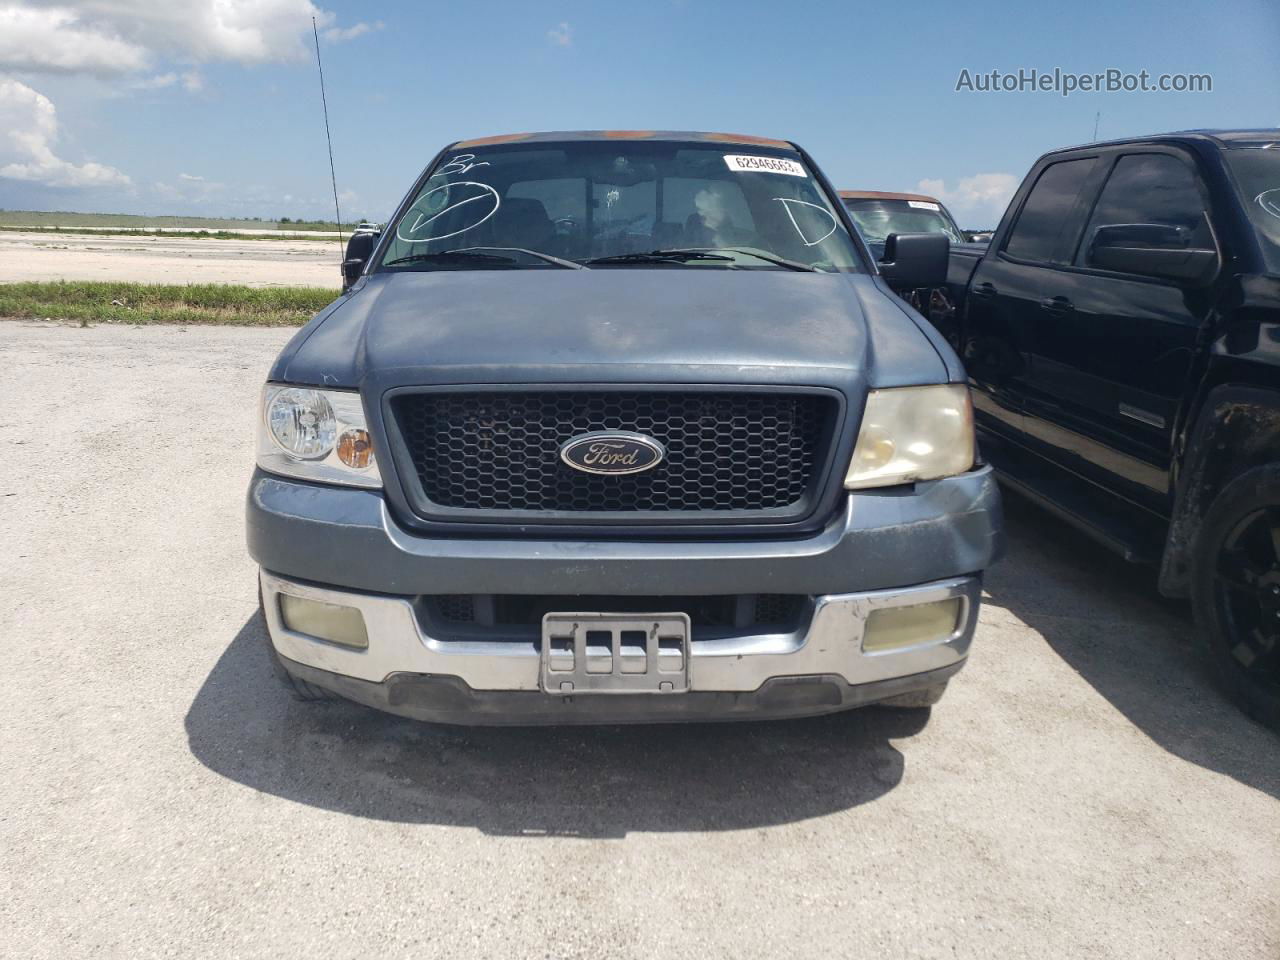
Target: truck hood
(616,325)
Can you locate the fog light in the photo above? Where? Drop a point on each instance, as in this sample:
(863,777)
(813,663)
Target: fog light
(325,621)
(891,628)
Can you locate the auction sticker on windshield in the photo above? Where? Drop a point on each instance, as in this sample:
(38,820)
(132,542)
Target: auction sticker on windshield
(922,205)
(764,165)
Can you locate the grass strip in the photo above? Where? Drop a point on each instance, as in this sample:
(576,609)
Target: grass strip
(29,218)
(187,234)
(145,303)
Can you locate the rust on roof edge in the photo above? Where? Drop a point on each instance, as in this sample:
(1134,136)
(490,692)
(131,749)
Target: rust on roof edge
(742,138)
(488,141)
(885,195)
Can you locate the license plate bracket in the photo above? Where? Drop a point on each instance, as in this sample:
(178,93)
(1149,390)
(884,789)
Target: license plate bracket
(615,653)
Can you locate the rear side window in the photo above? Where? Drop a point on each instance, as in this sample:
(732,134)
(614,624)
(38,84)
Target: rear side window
(1038,232)
(1152,188)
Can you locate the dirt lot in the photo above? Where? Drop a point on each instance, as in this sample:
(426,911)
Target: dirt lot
(1081,791)
(256,263)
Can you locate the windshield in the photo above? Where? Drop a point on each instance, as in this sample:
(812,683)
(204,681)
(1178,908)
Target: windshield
(604,204)
(876,218)
(1258,173)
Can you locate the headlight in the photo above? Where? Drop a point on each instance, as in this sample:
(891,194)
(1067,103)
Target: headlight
(913,433)
(316,435)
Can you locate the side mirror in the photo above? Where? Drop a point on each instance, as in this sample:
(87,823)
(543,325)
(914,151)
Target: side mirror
(1151,250)
(914,260)
(359,250)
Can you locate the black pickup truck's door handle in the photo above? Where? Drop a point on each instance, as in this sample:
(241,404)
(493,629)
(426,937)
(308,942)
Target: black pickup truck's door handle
(1057,306)
(983,291)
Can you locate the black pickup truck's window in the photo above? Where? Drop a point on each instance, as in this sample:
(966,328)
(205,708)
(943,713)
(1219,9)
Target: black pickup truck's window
(1038,232)
(611,204)
(1257,172)
(1151,188)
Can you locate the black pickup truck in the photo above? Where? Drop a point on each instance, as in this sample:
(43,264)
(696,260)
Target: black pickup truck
(1122,339)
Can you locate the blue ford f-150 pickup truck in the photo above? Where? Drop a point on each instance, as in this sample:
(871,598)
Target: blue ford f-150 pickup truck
(1122,336)
(621,427)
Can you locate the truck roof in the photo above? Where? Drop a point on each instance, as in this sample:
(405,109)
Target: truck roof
(1223,139)
(573,135)
(885,195)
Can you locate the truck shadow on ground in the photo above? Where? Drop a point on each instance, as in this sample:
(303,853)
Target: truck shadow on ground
(1105,618)
(536,781)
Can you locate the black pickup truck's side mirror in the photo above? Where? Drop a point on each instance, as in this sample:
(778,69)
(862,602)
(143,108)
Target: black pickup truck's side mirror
(1158,250)
(359,250)
(914,260)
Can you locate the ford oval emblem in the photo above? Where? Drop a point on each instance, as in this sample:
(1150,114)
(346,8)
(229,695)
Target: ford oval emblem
(612,452)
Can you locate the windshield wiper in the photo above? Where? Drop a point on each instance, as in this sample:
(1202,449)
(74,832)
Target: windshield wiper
(477,256)
(450,256)
(769,258)
(558,261)
(661,256)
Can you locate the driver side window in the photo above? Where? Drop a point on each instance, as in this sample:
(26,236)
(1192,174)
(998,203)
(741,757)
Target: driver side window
(1151,188)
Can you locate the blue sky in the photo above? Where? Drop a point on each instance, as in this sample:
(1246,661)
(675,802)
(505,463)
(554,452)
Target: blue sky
(131,106)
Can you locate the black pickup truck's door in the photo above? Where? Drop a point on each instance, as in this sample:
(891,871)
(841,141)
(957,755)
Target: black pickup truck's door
(1111,353)
(1002,312)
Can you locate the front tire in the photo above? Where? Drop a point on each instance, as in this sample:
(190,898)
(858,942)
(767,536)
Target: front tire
(1236,591)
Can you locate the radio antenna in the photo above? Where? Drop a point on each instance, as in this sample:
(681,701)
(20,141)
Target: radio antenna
(328,137)
(1096,118)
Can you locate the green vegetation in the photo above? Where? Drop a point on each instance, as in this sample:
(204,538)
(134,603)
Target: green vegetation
(195,234)
(138,303)
(36,218)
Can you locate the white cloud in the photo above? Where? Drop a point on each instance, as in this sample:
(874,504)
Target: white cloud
(122,36)
(976,201)
(561,35)
(52,39)
(157,82)
(190,188)
(133,39)
(339,34)
(28,130)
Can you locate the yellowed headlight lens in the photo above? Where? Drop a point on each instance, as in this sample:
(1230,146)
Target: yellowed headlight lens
(913,433)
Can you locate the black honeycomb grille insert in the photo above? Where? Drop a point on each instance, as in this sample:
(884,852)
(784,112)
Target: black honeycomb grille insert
(724,451)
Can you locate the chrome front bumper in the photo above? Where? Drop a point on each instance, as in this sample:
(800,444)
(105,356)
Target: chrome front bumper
(828,644)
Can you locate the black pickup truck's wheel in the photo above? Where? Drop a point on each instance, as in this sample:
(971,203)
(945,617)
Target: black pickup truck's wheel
(1236,590)
(298,689)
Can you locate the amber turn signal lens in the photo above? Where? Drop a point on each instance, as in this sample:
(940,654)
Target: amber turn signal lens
(355,449)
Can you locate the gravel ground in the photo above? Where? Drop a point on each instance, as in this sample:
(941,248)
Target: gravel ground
(1081,791)
(255,263)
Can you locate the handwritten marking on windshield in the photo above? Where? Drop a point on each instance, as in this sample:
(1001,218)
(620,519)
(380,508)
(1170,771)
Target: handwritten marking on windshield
(786,204)
(461,164)
(488,198)
(1269,200)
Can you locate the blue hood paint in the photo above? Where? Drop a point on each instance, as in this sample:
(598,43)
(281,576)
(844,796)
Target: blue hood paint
(667,325)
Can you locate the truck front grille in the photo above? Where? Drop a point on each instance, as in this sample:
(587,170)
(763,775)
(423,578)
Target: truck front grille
(746,612)
(500,451)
